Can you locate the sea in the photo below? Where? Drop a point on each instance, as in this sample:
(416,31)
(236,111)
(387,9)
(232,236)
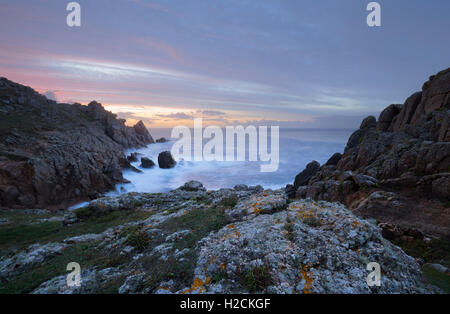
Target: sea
(297,147)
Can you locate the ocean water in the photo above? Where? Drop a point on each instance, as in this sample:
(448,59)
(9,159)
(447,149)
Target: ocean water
(297,148)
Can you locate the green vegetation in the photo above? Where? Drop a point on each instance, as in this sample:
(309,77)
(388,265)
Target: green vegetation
(84,213)
(437,278)
(434,251)
(25,282)
(256,279)
(289,227)
(200,222)
(138,239)
(218,276)
(229,201)
(20,233)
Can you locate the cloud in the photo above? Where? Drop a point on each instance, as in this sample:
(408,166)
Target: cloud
(212,113)
(176,116)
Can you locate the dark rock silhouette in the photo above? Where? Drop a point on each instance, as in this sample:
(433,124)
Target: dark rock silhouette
(303,177)
(165,160)
(161,140)
(147,163)
(396,169)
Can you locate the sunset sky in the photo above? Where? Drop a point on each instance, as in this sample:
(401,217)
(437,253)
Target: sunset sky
(290,63)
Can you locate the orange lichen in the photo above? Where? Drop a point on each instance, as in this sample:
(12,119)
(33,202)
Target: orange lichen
(198,285)
(230,226)
(223,266)
(307,276)
(257,210)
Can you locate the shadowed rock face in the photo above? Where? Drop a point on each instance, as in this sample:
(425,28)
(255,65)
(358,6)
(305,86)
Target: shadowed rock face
(52,153)
(407,151)
(165,160)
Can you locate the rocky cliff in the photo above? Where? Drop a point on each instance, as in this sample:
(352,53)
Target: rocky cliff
(53,153)
(396,169)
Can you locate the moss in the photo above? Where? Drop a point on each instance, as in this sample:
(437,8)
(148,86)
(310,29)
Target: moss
(181,272)
(138,239)
(289,227)
(200,221)
(229,201)
(84,213)
(434,251)
(437,278)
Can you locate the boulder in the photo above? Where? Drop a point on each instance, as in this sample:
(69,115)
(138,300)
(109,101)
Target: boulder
(165,160)
(193,186)
(161,140)
(147,163)
(386,117)
(333,161)
(369,122)
(303,177)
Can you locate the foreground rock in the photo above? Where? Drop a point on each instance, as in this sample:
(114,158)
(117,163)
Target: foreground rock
(239,240)
(54,153)
(396,169)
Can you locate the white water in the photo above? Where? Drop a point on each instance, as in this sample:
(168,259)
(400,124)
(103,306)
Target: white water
(297,148)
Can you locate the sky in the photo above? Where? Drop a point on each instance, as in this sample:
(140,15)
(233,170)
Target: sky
(293,63)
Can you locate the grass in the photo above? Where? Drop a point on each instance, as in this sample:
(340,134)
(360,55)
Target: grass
(200,222)
(229,201)
(289,227)
(434,251)
(437,278)
(256,279)
(21,235)
(85,254)
(138,239)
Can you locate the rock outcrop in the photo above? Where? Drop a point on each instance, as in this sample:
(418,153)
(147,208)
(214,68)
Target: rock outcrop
(241,240)
(52,154)
(406,153)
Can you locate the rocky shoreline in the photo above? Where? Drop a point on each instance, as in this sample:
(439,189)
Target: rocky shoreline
(54,154)
(396,169)
(387,194)
(190,240)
